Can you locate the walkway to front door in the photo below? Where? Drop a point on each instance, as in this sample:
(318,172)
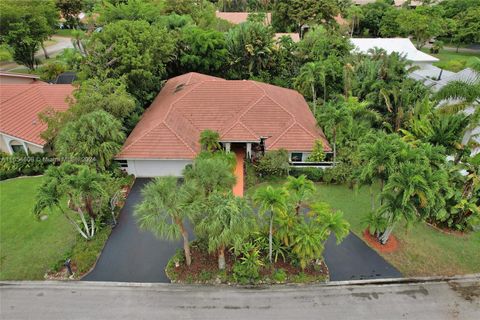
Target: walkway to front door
(240,156)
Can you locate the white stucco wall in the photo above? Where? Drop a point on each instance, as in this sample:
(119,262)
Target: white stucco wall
(6,141)
(156,168)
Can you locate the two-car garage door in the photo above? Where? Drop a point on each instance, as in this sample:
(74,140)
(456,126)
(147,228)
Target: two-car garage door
(156,168)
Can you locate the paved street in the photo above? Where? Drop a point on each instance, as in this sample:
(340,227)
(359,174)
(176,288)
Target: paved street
(459,299)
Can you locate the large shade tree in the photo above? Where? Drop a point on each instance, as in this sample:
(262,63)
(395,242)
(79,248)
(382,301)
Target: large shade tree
(96,135)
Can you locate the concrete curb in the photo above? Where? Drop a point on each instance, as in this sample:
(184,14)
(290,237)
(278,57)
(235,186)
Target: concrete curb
(179,287)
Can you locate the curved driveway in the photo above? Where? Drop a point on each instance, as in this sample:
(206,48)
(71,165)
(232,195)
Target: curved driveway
(133,255)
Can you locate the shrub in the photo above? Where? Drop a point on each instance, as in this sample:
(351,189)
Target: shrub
(247,269)
(318,154)
(341,173)
(314,174)
(273,164)
(250,175)
(279,275)
(19,164)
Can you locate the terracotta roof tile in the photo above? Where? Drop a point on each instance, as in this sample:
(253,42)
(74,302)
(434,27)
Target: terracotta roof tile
(20,105)
(240,17)
(239,110)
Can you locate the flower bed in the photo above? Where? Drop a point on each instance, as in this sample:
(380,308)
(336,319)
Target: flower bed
(204,270)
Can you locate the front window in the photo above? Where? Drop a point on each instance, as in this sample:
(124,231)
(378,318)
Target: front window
(296,157)
(123,164)
(16,148)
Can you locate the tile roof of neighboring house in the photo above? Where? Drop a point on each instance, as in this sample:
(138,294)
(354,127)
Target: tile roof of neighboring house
(294,36)
(240,110)
(20,105)
(239,17)
(400,45)
(5,75)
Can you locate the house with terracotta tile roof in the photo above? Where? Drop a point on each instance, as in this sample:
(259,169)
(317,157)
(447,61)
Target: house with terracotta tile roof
(251,117)
(20,104)
(18,78)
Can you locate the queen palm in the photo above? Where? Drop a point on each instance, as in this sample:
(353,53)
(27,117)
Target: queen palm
(165,208)
(226,223)
(310,76)
(407,192)
(85,190)
(270,200)
(379,154)
(299,189)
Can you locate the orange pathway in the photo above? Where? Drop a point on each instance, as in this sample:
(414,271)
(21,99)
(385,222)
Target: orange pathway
(238,188)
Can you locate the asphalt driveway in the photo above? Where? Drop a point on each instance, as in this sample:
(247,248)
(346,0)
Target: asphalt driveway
(131,254)
(134,255)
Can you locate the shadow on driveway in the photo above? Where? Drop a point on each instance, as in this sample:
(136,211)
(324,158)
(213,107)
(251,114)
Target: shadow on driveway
(131,254)
(134,255)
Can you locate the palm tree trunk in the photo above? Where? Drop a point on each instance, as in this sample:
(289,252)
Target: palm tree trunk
(334,146)
(372,199)
(44,51)
(386,235)
(92,223)
(314,96)
(82,216)
(186,244)
(270,238)
(221,258)
(75,225)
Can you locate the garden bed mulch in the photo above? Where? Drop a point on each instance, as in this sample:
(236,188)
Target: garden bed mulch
(204,270)
(390,246)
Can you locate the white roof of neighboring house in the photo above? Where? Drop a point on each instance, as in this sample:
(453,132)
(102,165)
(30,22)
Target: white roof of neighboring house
(429,74)
(400,45)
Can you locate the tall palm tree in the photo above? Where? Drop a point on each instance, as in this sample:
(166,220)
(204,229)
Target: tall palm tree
(270,200)
(226,223)
(299,189)
(164,209)
(209,140)
(308,79)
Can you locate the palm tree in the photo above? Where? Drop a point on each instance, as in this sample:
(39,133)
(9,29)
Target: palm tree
(299,189)
(379,154)
(307,243)
(209,140)
(271,200)
(407,192)
(85,190)
(308,79)
(164,209)
(354,14)
(226,222)
(459,96)
(330,221)
(331,117)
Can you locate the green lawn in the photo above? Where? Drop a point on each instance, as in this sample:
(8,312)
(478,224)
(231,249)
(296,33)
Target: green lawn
(29,247)
(452,61)
(422,250)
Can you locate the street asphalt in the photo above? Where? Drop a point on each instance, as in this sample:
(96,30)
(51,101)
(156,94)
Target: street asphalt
(134,255)
(438,300)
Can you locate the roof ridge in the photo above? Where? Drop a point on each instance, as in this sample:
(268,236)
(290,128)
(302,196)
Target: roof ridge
(180,138)
(275,101)
(283,133)
(243,125)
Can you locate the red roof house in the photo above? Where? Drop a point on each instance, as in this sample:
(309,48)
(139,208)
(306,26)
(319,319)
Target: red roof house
(20,104)
(247,114)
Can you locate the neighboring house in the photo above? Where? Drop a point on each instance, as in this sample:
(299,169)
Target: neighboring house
(18,78)
(20,105)
(294,36)
(240,17)
(250,116)
(402,46)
